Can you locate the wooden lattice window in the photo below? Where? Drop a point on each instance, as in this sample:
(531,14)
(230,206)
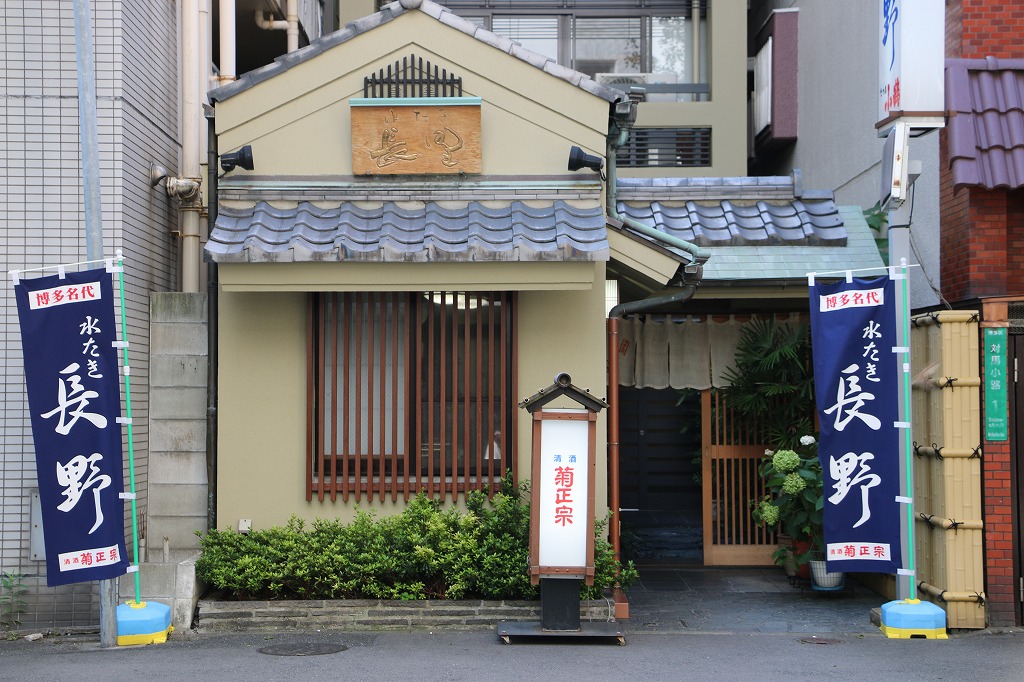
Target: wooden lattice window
(409,393)
(412,76)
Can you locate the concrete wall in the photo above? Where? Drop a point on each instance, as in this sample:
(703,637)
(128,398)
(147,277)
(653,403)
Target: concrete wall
(178,493)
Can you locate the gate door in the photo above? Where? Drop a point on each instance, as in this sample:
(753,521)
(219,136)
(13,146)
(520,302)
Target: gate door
(730,457)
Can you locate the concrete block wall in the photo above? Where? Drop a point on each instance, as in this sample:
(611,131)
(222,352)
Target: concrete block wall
(178,491)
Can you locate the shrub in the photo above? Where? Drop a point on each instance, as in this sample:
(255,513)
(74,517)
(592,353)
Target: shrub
(425,552)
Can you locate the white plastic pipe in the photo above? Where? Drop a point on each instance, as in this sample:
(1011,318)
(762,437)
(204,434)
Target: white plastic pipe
(290,23)
(292,15)
(190,135)
(228,66)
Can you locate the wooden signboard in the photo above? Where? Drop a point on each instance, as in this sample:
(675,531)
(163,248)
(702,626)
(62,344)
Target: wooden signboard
(405,136)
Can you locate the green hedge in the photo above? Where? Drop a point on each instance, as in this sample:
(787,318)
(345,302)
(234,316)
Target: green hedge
(423,553)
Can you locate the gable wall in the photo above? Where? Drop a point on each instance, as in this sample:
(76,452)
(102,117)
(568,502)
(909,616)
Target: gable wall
(298,122)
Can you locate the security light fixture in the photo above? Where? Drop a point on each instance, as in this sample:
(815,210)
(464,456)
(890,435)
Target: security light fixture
(243,158)
(580,159)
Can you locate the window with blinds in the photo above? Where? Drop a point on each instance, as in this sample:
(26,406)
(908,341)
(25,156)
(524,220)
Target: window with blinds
(666,148)
(409,393)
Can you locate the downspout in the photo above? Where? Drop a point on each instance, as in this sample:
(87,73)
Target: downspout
(614,478)
(290,23)
(190,141)
(618,133)
(620,123)
(212,336)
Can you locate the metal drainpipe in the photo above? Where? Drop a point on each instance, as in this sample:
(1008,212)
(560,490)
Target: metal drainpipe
(212,336)
(616,138)
(618,132)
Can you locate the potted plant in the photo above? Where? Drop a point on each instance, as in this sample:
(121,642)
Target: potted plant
(793,501)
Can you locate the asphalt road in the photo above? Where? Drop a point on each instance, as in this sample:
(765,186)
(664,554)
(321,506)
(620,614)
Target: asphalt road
(473,656)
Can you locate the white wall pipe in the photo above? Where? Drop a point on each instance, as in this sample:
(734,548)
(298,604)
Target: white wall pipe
(205,64)
(190,135)
(228,67)
(695,30)
(292,15)
(290,23)
(270,24)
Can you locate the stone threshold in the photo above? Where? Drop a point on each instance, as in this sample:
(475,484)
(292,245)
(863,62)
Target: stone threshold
(215,616)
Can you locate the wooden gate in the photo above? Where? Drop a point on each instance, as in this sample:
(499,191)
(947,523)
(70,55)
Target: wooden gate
(731,452)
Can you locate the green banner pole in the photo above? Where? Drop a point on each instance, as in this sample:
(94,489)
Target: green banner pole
(128,423)
(907,418)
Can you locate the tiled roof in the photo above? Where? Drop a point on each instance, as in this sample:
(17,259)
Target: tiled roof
(409,232)
(730,223)
(986,133)
(762,232)
(442,14)
(733,211)
(774,263)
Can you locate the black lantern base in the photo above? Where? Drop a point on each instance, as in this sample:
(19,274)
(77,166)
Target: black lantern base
(612,632)
(560,604)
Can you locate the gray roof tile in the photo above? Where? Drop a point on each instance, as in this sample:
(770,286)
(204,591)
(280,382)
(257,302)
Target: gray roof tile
(419,233)
(986,135)
(709,223)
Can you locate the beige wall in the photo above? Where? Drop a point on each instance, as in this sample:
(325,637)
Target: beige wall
(350,10)
(726,113)
(298,125)
(262,394)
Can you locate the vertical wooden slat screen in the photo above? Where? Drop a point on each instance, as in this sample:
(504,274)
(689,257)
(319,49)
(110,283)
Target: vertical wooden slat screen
(732,453)
(407,392)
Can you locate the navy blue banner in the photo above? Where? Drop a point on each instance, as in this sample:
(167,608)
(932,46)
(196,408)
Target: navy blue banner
(71,373)
(853,332)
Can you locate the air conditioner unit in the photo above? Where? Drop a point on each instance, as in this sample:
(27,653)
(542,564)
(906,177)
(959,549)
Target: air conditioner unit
(624,81)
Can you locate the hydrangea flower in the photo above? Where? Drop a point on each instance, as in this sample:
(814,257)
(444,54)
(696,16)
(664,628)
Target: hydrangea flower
(785,461)
(793,484)
(807,440)
(769,513)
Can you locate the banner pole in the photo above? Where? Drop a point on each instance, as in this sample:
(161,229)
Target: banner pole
(128,423)
(907,418)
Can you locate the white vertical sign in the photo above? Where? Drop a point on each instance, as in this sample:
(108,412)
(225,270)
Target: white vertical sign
(563,485)
(911,37)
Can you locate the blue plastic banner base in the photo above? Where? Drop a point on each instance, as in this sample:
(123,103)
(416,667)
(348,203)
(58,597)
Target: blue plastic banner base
(912,619)
(143,623)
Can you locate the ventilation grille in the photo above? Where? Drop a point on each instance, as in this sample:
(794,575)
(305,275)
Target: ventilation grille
(412,76)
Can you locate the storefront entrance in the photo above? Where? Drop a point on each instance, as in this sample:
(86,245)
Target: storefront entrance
(688,473)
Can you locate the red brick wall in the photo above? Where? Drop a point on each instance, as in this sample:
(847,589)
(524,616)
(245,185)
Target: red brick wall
(1015,243)
(990,27)
(982,255)
(987,243)
(999,583)
(953,230)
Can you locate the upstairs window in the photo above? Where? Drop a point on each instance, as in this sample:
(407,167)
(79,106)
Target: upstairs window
(660,45)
